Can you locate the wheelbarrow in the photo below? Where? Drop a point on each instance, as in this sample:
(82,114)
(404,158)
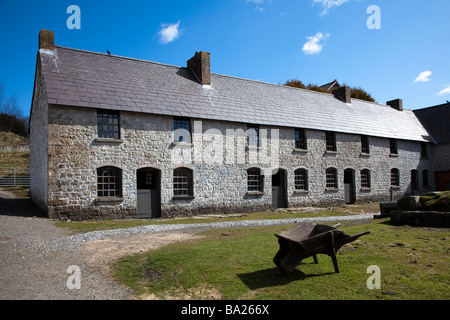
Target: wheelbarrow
(306,240)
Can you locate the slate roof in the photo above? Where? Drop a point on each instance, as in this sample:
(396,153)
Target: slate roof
(330,85)
(437,121)
(87,79)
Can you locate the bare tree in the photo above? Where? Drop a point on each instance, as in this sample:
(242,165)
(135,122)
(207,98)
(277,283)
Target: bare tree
(12,118)
(12,108)
(2,97)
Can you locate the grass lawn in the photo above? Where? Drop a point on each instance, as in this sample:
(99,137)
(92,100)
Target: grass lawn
(237,264)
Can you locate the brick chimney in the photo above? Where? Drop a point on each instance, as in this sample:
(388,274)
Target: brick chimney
(343,93)
(46,40)
(200,64)
(396,104)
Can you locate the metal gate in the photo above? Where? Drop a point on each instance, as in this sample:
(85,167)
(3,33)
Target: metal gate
(12,177)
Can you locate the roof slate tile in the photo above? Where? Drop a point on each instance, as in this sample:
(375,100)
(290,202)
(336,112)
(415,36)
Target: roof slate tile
(95,80)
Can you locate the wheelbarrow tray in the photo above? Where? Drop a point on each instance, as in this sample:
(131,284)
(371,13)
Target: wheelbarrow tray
(306,240)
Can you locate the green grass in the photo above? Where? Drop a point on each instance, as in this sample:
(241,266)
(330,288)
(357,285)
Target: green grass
(237,264)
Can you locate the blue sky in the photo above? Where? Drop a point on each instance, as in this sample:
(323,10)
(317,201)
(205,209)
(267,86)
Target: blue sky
(315,41)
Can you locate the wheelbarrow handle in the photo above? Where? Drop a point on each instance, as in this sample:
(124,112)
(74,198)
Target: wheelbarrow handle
(356,236)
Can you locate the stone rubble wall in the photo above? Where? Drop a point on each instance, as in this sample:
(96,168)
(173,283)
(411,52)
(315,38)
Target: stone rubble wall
(220,180)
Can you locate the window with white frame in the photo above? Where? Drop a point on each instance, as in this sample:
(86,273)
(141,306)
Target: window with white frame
(109,182)
(365,179)
(108,124)
(331,178)
(330,138)
(253,135)
(300,139)
(301,179)
(183,182)
(255,180)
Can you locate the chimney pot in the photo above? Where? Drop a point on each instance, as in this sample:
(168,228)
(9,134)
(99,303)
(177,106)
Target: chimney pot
(343,93)
(46,40)
(200,65)
(397,104)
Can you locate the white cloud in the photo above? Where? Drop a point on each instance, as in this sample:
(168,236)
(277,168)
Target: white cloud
(444,91)
(423,77)
(328,4)
(314,45)
(258,4)
(169,32)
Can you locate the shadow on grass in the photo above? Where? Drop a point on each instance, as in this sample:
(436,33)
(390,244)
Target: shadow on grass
(271,277)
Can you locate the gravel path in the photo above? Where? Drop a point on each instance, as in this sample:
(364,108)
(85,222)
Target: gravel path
(35,254)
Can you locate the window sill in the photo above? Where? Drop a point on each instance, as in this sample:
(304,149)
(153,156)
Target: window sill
(301,191)
(300,150)
(366,189)
(183,197)
(108,199)
(183,144)
(108,140)
(395,187)
(331,152)
(255,193)
(393,155)
(332,189)
(365,155)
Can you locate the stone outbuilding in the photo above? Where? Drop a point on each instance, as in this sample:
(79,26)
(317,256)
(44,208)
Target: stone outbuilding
(116,137)
(436,120)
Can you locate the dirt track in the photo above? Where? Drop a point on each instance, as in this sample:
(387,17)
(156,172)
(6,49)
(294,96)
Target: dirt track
(27,272)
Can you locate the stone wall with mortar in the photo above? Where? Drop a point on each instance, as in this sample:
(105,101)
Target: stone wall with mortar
(219,159)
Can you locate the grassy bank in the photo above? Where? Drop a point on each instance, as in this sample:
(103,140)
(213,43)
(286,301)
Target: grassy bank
(439,202)
(237,264)
(15,159)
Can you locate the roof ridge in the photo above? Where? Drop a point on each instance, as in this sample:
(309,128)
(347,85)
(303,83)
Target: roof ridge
(218,74)
(295,88)
(436,106)
(121,57)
